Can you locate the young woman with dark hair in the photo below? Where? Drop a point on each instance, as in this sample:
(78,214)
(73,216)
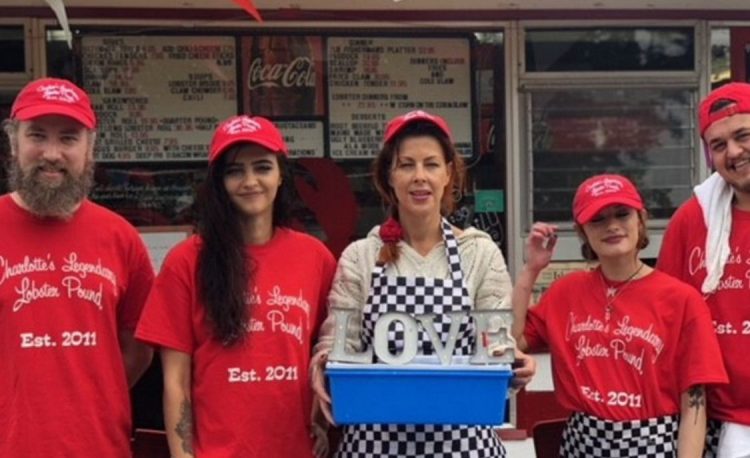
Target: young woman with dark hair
(416,174)
(224,265)
(631,347)
(235,309)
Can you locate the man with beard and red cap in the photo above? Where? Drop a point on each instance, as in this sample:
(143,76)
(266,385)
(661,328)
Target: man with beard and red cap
(73,279)
(707,244)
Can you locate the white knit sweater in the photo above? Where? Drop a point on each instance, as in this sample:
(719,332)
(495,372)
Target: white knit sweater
(485,277)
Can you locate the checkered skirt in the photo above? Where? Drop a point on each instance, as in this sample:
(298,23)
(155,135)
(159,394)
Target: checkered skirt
(586,436)
(713,431)
(418,295)
(411,441)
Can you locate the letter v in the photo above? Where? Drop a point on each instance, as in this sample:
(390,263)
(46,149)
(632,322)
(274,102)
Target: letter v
(443,352)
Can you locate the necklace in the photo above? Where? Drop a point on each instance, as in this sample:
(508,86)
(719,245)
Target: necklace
(612,291)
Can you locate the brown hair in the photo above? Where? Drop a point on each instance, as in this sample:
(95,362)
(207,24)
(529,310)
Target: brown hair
(588,253)
(383,165)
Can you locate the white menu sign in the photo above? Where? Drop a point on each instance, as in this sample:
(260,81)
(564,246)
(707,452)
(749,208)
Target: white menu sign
(371,80)
(303,138)
(159,98)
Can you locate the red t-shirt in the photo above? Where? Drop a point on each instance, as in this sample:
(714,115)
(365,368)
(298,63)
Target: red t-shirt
(253,399)
(66,289)
(683,256)
(657,343)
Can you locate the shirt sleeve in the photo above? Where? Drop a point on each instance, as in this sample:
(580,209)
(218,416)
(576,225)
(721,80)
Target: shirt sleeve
(535,332)
(671,259)
(493,287)
(139,282)
(348,291)
(698,354)
(328,269)
(167,317)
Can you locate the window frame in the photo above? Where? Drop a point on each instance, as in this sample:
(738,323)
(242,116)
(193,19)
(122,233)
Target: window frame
(568,246)
(13,81)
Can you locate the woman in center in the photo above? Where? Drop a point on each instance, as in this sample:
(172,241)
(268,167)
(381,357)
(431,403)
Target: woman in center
(417,174)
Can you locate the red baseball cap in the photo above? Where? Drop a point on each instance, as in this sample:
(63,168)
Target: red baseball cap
(396,124)
(601,191)
(249,129)
(52,96)
(739,93)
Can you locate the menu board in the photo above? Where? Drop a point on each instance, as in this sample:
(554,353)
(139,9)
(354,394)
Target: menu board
(159,98)
(373,79)
(149,196)
(303,138)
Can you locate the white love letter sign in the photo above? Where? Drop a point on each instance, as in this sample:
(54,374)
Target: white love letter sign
(410,338)
(493,339)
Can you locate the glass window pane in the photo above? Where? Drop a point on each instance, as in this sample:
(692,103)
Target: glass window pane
(12,49)
(643,133)
(6,100)
(61,60)
(721,69)
(612,49)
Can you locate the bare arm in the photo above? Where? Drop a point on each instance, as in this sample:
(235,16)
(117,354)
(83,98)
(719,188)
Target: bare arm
(539,248)
(178,407)
(136,356)
(692,433)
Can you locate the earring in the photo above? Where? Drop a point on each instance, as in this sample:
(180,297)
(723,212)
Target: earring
(457,195)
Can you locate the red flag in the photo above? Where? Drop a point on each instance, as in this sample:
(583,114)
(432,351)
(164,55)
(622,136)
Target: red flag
(248,6)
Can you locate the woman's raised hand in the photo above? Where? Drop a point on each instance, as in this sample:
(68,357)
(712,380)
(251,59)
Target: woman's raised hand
(540,245)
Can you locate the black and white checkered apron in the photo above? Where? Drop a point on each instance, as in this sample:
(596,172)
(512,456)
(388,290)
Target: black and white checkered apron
(713,431)
(586,436)
(419,295)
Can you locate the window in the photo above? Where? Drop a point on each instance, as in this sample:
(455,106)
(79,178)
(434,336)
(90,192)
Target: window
(626,105)
(13,49)
(721,68)
(609,49)
(643,133)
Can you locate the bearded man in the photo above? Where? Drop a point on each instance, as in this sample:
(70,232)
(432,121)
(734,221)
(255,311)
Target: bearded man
(73,279)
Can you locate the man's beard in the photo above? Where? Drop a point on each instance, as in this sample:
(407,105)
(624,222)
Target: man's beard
(45,200)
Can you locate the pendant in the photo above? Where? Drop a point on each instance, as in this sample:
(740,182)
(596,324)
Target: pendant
(611,291)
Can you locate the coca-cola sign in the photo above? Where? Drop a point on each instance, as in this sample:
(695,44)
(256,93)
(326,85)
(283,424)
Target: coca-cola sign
(300,72)
(282,75)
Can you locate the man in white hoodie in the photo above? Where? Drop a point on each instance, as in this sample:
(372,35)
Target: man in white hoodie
(707,245)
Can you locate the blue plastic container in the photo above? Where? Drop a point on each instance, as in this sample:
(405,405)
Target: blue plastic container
(419,394)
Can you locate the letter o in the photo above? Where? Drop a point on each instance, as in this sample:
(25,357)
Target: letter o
(410,338)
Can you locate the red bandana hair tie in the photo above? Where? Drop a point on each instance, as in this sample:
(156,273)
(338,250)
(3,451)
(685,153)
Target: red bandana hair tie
(391,231)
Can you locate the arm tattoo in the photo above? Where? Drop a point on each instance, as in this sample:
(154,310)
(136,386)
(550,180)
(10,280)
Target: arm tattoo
(184,428)
(696,399)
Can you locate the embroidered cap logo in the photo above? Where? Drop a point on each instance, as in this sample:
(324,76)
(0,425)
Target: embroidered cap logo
(59,93)
(418,113)
(604,186)
(241,125)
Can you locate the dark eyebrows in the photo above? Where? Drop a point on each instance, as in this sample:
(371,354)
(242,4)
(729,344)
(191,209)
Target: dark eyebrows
(252,163)
(432,157)
(712,142)
(34,127)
